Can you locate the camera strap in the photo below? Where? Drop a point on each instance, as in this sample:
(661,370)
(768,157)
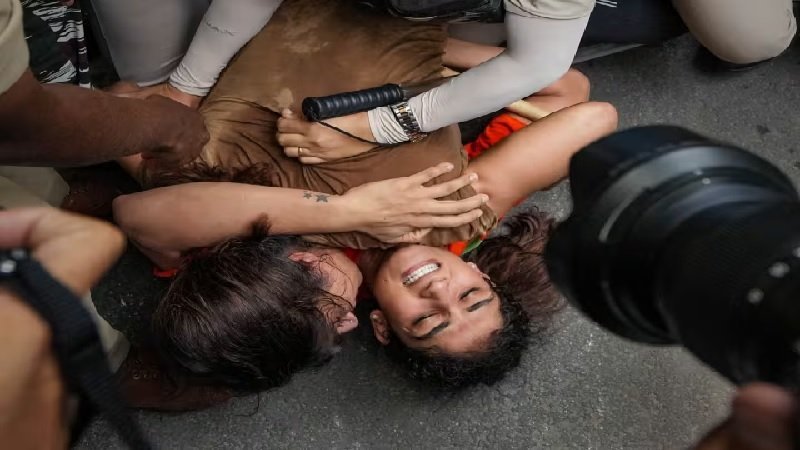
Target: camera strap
(76,343)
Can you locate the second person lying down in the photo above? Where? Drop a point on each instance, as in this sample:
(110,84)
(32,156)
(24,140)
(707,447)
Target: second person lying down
(253,306)
(250,309)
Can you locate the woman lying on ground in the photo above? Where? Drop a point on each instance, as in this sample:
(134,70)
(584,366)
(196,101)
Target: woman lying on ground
(250,309)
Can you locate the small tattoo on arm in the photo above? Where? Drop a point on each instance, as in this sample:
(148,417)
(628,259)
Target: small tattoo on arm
(320,198)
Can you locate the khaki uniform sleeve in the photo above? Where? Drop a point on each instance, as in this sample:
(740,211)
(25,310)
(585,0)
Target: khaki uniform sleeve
(551,9)
(13,50)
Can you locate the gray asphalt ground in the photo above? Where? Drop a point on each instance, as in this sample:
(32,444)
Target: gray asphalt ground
(582,388)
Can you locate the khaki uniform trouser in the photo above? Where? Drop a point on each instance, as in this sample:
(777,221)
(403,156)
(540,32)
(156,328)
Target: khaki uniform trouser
(737,31)
(38,186)
(740,31)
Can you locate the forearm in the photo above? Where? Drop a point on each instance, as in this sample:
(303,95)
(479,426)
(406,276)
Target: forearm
(539,52)
(182,217)
(43,125)
(226,27)
(538,156)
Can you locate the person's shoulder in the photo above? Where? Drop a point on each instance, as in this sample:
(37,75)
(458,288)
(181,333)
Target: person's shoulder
(10,15)
(7,7)
(551,9)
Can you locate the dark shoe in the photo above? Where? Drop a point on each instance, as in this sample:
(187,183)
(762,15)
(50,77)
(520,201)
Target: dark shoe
(144,385)
(705,61)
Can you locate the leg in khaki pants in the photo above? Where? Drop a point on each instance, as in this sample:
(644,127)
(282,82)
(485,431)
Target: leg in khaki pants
(24,186)
(740,31)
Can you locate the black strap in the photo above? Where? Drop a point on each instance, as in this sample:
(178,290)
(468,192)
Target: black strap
(353,136)
(75,341)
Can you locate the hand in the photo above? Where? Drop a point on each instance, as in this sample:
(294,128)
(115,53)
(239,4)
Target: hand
(762,418)
(131,90)
(314,143)
(187,134)
(185,128)
(75,250)
(404,210)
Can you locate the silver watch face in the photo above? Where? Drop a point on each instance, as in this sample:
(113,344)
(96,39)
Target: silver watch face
(408,121)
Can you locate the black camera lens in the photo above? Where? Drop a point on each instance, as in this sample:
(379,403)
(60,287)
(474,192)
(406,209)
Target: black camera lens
(678,239)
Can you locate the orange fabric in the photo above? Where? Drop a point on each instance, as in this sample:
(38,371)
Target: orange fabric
(164,273)
(496,130)
(458,248)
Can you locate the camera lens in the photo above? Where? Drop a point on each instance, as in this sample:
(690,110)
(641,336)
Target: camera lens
(677,239)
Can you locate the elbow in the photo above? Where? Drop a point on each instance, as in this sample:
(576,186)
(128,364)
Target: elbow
(121,210)
(127,216)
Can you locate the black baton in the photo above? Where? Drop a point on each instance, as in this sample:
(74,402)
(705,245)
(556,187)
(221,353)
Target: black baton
(342,104)
(321,108)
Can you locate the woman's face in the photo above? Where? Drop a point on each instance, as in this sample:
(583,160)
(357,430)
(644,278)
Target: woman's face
(430,297)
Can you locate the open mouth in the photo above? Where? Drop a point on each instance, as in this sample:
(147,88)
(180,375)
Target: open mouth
(419,271)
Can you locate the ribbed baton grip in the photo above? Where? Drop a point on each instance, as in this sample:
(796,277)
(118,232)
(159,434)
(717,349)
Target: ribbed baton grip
(321,108)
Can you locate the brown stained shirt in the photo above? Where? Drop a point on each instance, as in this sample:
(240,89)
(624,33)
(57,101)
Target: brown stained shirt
(317,48)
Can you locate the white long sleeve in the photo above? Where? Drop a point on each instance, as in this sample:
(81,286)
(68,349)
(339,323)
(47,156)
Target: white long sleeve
(226,27)
(539,51)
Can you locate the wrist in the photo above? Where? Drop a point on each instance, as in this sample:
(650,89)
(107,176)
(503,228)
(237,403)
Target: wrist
(407,120)
(190,100)
(385,127)
(350,214)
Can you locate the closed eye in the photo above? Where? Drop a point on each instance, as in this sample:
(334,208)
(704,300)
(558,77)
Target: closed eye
(419,320)
(466,293)
(436,330)
(480,304)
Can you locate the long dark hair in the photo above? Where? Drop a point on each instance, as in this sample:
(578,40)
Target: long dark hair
(514,262)
(244,315)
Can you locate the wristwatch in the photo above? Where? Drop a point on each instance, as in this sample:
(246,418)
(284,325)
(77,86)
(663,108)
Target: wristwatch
(408,121)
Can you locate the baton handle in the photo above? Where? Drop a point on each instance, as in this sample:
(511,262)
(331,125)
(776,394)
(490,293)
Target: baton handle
(337,105)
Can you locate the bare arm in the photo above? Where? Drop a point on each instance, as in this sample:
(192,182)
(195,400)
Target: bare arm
(64,125)
(178,218)
(537,156)
(167,221)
